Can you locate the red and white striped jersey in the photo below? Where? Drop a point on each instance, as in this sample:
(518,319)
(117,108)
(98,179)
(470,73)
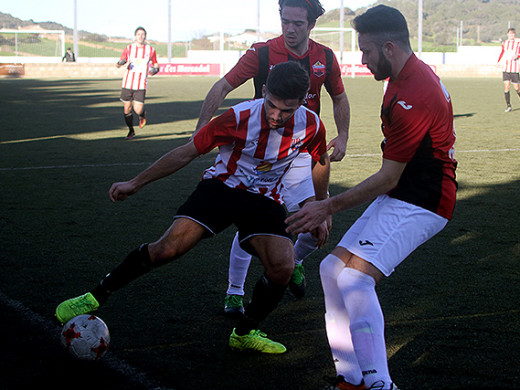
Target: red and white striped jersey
(138,59)
(511,54)
(254,157)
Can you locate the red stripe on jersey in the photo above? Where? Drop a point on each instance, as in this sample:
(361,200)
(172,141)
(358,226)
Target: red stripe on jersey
(240,143)
(285,145)
(263,137)
(311,130)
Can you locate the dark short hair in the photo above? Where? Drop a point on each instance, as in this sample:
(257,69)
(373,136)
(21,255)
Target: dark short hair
(511,29)
(139,28)
(313,7)
(383,23)
(288,80)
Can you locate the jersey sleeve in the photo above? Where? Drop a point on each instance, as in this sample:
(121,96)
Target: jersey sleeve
(245,69)
(153,56)
(125,54)
(220,131)
(334,83)
(318,144)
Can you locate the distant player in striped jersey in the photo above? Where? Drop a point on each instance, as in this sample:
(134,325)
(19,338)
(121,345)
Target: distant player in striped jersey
(510,56)
(298,18)
(139,55)
(257,140)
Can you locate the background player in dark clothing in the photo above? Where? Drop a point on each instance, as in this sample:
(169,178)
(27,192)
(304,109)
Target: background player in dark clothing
(298,18)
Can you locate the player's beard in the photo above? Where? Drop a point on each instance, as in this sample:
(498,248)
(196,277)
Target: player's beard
(383,69)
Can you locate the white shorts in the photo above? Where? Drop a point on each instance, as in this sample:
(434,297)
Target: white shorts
(389,230)
(297,182)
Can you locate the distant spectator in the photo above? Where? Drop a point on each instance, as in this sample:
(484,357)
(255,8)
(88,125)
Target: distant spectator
(69,56)
(510,72)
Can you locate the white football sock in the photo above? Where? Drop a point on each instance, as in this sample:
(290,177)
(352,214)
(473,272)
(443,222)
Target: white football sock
(239,261)
(303,247)
(337,323)
(366,325)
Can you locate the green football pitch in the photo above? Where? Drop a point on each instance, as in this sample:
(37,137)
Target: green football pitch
(451,309)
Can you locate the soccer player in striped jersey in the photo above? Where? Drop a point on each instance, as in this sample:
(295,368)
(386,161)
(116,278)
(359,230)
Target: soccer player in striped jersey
(257,140)
(510,55)
(298,18)
(414,193)
(139,55)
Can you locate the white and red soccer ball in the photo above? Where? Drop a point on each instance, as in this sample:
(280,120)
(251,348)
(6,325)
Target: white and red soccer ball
(86,337)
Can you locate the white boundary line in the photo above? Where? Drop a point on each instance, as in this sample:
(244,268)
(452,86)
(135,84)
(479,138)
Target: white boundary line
(148,163)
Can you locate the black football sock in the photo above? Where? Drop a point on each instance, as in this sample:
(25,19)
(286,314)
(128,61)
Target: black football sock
(129,120)
(143,114)
(266,297)
(508,98)
(137,263)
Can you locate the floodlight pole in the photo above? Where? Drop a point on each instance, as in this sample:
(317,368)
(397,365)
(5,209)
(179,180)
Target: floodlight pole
(258,20)
(169,31)
(341,25)
(419,28)
(76,28)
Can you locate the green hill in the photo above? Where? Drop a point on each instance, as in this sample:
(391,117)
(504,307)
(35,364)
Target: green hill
(483,21)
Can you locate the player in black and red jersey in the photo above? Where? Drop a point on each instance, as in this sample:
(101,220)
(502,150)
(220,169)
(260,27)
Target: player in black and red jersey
(298,18)
(414,194)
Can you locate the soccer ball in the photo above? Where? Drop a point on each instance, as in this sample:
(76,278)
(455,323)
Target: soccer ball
(86,337)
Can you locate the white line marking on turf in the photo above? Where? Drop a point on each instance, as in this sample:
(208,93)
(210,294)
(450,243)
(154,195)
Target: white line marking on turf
(78,166)
(52,331)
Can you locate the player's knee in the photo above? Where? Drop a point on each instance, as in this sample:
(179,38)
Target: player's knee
(280,273)
(331,266)
(162,252)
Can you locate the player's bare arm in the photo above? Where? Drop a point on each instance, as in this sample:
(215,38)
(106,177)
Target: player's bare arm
(341,109)
(168,164)
(212,102)
(314,213)
(320,179)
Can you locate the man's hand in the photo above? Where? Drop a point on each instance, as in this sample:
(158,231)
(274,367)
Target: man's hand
(121,191)
(153,71)
(311,218)
(340,149)
(121,63)
(321,233)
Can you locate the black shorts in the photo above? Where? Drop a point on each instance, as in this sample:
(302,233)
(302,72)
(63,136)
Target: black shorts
(216,206)
(511,76)
(137,95)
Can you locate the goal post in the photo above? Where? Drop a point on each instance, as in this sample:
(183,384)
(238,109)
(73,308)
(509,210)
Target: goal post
(32,43)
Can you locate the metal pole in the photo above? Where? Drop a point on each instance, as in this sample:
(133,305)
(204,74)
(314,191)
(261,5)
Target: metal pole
(420,28)
(169,30)
(76,51)
(258,20)
(341,34)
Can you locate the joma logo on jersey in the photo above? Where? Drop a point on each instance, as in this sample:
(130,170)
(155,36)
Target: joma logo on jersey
(318,69)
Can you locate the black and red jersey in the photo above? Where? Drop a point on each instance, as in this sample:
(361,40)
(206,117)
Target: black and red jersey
(417,122)
(319,61)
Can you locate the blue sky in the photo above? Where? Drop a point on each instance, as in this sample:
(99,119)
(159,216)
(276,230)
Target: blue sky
(189,18)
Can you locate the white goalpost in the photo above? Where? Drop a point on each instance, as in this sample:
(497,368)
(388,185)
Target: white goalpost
(32,43)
